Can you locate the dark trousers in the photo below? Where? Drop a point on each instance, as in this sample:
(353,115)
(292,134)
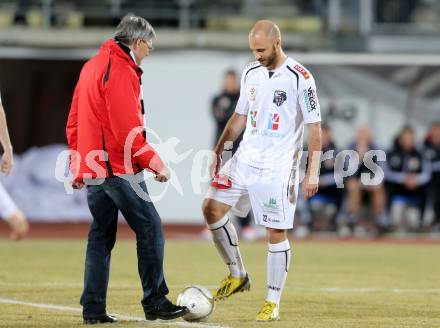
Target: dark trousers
(104,201)
(436,206)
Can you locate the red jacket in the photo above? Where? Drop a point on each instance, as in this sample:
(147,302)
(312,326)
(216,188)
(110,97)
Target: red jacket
(106,106)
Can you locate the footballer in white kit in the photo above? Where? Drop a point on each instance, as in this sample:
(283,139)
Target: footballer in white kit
(277,98)
(265,169)
(8,210)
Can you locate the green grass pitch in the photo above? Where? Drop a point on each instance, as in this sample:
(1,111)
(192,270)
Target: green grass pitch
(329,284)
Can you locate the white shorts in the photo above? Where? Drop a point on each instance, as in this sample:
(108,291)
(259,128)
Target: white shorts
(270,193)
(7,205)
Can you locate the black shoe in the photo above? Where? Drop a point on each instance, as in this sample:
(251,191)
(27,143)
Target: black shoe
(166,311)
(99,318)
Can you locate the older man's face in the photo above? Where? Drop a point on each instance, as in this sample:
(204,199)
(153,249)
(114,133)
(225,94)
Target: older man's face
(141,49)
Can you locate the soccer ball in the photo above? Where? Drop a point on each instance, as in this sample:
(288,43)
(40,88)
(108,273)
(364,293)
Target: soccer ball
(199,302)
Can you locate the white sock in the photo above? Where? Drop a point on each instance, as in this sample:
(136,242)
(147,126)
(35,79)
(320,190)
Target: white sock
(225,239)
(278,261)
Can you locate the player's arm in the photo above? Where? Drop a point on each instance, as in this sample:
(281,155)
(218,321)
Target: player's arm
(232,131)
(311,112)
(235,126)
(7,158)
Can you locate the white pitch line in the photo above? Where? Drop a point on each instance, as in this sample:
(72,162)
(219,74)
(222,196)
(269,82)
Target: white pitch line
(64,308)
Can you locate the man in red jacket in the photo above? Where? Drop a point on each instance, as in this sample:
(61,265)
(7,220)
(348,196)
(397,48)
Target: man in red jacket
(109,151)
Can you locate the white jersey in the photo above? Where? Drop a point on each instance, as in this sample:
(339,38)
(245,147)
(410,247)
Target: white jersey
(277,107)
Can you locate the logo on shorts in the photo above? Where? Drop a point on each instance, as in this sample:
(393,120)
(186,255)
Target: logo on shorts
(269,219)
(279,97)
(272,204)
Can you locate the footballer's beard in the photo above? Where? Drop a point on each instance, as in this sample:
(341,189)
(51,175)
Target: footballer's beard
(270,61)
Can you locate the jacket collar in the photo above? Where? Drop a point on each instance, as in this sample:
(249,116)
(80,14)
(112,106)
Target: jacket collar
(122,51)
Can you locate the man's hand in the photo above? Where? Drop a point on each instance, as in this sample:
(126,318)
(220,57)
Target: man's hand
(309,188)
(77,184)
(7,162)
(164,175)
(411,182)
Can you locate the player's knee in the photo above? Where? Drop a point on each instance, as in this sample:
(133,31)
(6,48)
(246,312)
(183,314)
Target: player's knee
(276,236)
(211,212)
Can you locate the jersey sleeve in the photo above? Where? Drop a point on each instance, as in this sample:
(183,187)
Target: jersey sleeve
(308,100)
(242,106)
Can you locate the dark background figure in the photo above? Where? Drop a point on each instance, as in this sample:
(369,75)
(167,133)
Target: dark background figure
(358,193)
(392,11)
(321,210)
(223,106)
(407,175)
(432,153)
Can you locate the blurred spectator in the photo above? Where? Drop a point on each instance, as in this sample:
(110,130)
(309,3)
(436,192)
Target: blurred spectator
(395,11)
(432,153)
(322,209)
(407,175)
(223,106)
(357,192)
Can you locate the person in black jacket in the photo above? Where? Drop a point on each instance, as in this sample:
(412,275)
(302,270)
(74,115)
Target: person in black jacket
(327,203)
(407,175)
(223,104)
(432,152)
(358,192)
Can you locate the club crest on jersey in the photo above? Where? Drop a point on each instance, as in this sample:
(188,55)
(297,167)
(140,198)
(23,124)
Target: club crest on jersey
(279,97)
(274,121)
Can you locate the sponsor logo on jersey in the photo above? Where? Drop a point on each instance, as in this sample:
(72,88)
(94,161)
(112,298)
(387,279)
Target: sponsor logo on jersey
(279,97)
(302,71)
(310,99)
(274,120)
(267,133)
(254,118)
